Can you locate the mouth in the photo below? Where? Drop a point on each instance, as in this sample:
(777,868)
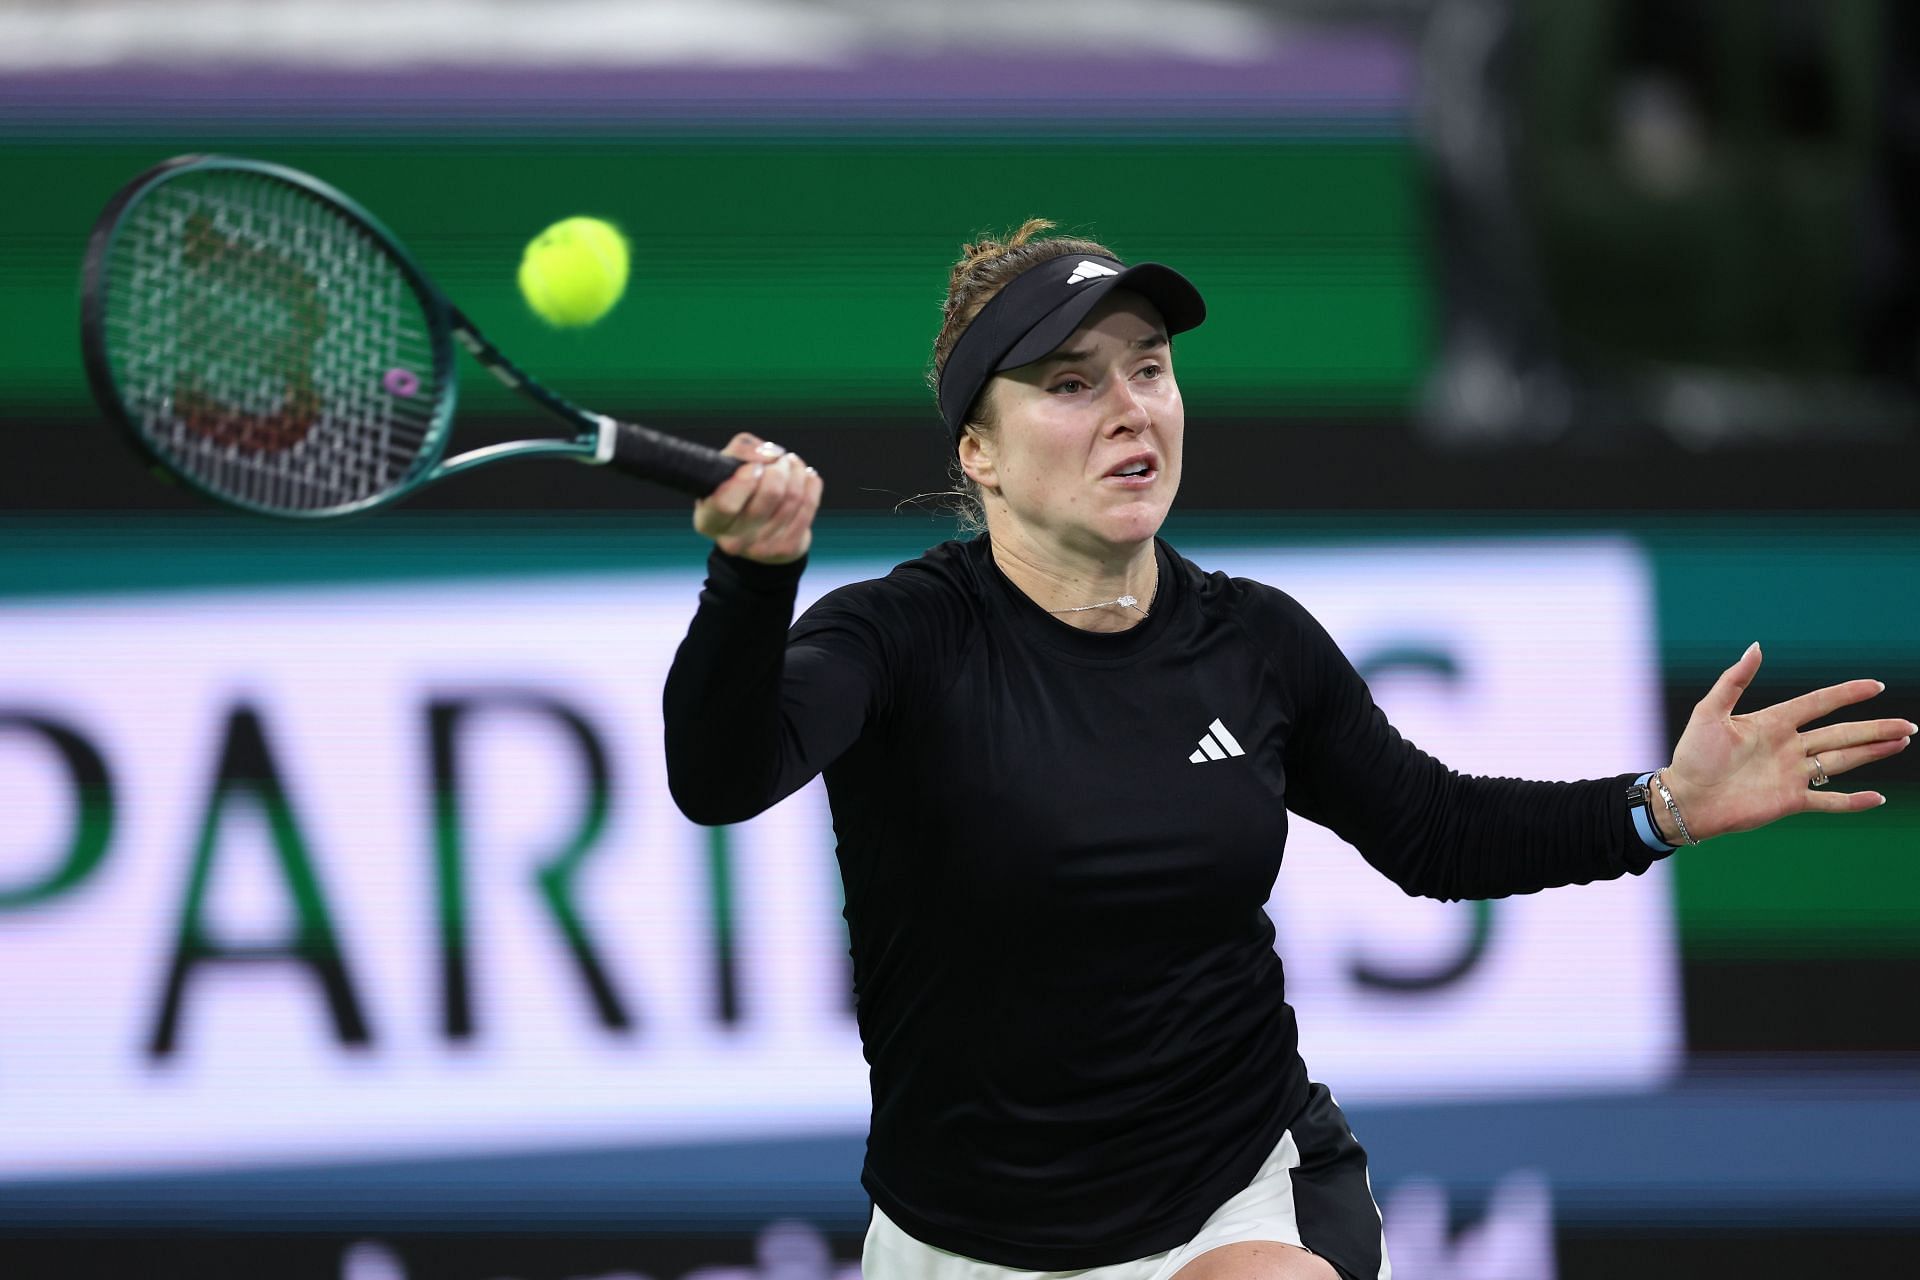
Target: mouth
(1135,470)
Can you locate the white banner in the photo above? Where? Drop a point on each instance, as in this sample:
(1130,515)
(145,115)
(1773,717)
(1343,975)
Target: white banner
(392,870)
(1524,661)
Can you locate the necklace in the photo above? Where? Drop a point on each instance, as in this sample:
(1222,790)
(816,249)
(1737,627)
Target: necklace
(1125,602)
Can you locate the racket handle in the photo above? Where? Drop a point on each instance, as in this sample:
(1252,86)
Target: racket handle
(691,468)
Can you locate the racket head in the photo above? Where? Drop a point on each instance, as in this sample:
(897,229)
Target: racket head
(266,340)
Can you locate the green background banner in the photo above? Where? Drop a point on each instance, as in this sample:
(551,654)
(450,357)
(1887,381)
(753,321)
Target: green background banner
(806,272)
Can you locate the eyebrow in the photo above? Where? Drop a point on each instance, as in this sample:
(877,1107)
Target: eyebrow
(1148,343)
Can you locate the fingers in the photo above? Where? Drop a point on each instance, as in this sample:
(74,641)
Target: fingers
(774,480)
(1824,702)
(1838,748)
(770,483)
(715,514)
(745,445)
(789,533)
(1843,801)
(788,484)
(1854,733)
(765,510)
(1837,762)
(721,511)
(1725,694)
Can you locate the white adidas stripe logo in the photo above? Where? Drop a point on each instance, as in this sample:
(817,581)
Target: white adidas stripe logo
(1215,744)
(1089,271)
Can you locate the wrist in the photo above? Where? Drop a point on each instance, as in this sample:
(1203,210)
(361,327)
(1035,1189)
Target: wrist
(1662,821)
(1642,801)
(1669,812)
(757,576)
(1657,817)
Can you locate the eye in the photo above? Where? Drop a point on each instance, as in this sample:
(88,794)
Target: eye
(1152,371)
(1068,386)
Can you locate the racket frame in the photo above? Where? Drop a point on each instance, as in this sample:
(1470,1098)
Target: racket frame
(597,434)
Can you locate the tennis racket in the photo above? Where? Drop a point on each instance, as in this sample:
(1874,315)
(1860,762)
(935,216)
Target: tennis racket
(266,340)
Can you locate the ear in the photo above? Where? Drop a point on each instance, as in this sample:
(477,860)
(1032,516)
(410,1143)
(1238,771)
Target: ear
(977,460)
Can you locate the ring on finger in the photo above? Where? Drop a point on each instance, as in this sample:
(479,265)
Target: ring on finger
(1819,778)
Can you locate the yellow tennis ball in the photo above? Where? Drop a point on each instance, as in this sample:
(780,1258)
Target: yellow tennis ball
(573,272)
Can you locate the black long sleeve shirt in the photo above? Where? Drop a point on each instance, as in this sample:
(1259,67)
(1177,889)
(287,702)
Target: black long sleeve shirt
(1066,983)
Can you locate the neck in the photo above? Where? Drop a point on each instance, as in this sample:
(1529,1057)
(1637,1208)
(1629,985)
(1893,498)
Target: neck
(1064,584)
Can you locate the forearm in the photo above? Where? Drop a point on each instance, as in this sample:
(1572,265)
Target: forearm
(1433,831)
(1442,834)
(753,712)
(721,703)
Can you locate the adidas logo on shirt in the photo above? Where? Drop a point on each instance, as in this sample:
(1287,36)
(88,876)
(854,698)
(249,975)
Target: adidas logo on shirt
(1215,744)
(1089,271)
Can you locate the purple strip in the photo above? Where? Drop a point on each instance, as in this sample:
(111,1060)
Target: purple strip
(1335,75)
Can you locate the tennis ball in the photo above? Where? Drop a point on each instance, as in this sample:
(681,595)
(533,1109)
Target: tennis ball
(573,272)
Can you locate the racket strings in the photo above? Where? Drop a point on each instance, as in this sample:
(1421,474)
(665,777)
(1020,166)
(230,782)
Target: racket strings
(268,346)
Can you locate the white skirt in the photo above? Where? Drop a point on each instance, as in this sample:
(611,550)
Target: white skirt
(1263,1210)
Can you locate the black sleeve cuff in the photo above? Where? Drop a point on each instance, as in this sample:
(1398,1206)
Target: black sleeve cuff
(726,572)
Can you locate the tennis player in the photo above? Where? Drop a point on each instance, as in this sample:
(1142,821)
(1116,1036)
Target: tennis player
(1083,1061)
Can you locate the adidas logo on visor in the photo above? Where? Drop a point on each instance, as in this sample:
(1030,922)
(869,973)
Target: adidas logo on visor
(1089,271)
(1215,744)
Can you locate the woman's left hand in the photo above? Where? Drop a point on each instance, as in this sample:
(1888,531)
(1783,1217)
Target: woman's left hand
(1737,772)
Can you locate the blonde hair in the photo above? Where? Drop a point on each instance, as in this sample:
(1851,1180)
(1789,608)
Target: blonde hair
(986,266)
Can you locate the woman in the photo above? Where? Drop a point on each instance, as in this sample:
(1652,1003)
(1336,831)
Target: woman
(1082,1060)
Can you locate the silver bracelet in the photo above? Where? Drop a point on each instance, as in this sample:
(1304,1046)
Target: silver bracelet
(1660,785)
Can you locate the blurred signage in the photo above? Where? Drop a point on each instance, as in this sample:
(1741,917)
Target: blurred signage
(341,873)
(1519,660)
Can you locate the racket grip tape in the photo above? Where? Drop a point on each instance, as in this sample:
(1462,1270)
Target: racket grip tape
(693,469)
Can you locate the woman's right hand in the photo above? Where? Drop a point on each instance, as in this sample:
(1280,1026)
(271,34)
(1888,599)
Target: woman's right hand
(765,510)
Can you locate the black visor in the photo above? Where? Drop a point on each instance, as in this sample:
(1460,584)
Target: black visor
(1040,308)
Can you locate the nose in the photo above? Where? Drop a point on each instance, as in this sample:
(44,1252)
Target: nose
(1125,410)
